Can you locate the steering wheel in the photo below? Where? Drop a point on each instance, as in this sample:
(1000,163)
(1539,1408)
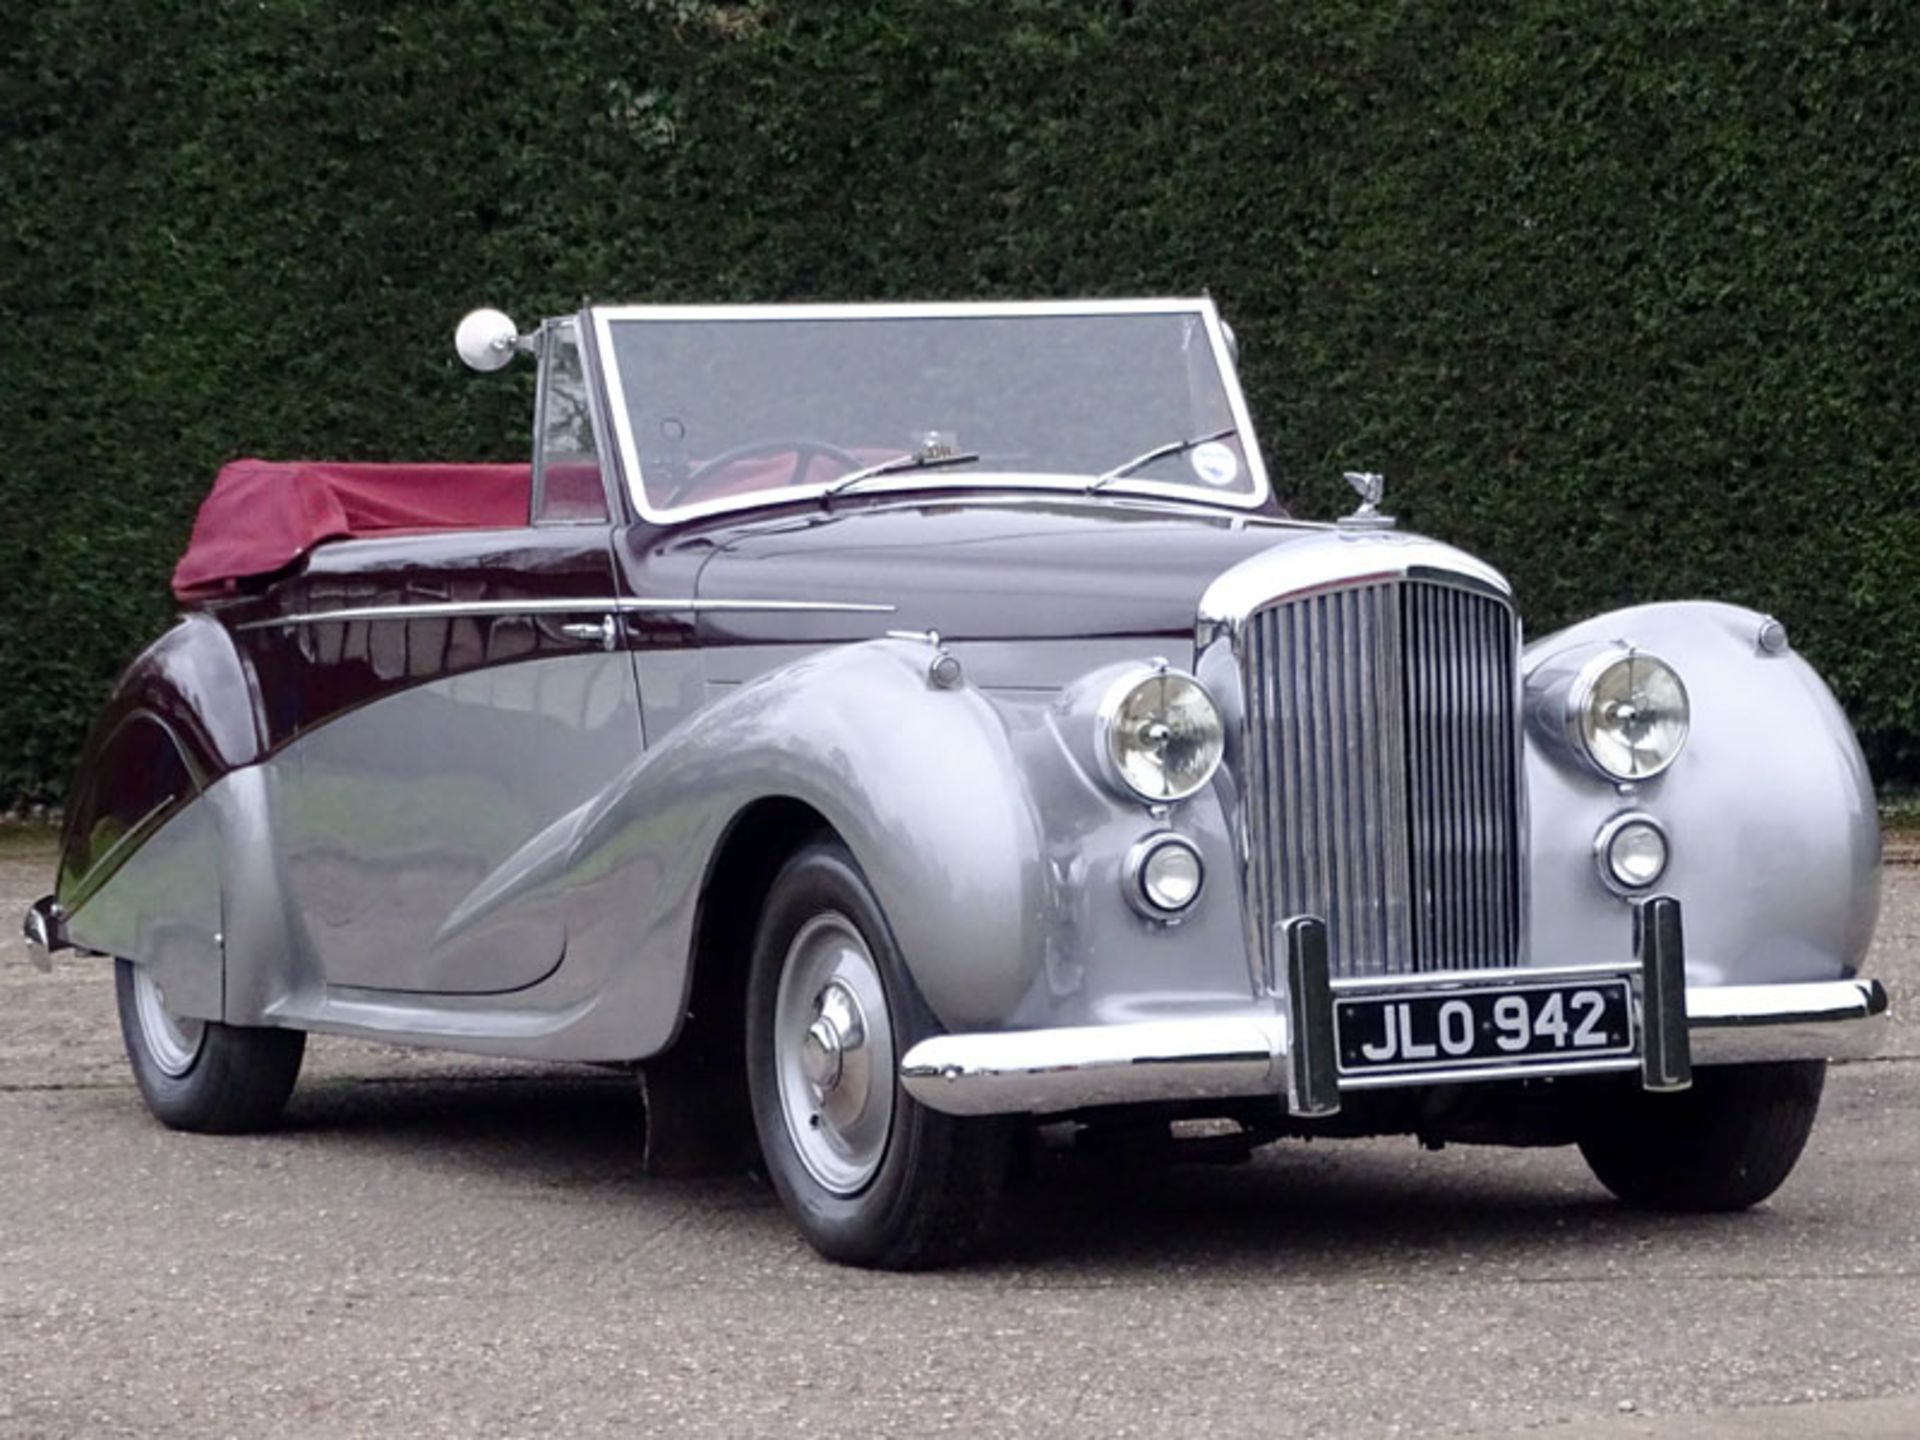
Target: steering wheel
(804,452)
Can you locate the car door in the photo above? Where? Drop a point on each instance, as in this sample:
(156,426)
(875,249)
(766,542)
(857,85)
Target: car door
(439,700)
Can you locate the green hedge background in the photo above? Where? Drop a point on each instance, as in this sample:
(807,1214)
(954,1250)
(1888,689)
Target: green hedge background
(1622,295)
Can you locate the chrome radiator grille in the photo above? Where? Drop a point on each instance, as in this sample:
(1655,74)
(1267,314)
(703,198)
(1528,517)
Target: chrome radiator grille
(1383,789)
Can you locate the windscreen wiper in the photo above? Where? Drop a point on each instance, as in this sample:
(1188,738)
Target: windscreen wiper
(922,460)
(1159,452)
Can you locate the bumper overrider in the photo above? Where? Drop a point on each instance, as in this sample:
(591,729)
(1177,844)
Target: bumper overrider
(1295,1049)
(45,932)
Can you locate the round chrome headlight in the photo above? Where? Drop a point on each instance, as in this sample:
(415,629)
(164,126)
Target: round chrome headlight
(1630,713)
(1160,735)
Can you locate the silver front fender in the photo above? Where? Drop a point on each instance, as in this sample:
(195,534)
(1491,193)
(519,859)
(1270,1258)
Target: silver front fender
(920,782)
(1769,809)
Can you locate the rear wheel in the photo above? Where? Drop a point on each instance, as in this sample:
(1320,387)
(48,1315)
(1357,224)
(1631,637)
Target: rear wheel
(201,1074)
(1726,1143)
(869,1176)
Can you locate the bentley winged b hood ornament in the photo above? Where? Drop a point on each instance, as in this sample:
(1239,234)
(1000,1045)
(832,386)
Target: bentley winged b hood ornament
(1370,486)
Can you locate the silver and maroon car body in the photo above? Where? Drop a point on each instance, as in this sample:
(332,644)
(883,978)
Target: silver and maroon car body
(506,789)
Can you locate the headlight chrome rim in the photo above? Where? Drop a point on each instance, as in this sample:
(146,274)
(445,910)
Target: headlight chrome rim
(1610,834)
(1580,697)
(1107,730)
(1136,882)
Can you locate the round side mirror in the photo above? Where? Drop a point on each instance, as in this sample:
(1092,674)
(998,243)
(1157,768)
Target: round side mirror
(487,339)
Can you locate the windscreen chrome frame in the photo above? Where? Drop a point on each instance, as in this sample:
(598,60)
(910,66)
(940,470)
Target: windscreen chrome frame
(604,317)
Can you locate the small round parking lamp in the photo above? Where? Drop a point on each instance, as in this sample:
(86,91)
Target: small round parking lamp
(1632,852)
(1164,876)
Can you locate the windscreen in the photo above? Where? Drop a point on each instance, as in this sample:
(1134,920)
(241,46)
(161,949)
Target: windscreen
(737,406)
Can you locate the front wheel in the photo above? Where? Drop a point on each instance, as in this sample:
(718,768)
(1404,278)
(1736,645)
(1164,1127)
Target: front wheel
(870,1176)
(1726,1143)
(200,1074)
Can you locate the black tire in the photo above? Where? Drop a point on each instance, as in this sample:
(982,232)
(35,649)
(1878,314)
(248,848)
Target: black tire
(932,1198)
(237,1079)
(1725,1144)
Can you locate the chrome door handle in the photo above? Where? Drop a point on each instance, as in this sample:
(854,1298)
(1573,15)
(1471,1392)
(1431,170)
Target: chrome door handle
(603,630)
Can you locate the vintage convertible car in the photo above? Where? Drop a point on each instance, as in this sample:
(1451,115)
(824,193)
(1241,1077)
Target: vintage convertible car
(886,726)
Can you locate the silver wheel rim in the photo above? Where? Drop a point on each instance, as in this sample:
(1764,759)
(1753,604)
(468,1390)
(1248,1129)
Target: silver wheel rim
(173,1043)
(833,1054)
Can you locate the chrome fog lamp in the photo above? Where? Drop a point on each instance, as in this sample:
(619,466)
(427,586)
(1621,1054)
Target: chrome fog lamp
(1630,713)
(1164,876)
(1632,851)
(1160,735)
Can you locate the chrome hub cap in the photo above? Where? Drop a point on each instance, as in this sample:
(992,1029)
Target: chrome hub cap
(173,1043)
(838,1028)
(834,1054)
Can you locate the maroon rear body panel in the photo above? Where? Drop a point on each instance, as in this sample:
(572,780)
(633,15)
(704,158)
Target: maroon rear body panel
(311,671)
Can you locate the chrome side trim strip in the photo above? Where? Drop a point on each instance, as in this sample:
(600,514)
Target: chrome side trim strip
(849,607)
(1074,1068)
(442,609)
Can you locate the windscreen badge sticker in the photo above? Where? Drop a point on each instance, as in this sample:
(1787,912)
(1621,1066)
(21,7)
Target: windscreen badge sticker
(1215,463)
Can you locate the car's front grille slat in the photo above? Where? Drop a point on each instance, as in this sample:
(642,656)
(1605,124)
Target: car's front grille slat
(1383,786)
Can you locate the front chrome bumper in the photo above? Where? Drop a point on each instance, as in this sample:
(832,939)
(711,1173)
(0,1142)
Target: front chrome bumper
(1288,1052)
(1049,1071)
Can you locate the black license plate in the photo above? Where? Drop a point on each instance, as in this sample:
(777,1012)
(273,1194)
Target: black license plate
(1448,1029)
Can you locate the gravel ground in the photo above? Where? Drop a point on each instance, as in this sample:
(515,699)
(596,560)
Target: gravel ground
(442,1246)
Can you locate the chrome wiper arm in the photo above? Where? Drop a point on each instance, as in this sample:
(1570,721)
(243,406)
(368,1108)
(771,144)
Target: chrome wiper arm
(1159,452)
(894,466)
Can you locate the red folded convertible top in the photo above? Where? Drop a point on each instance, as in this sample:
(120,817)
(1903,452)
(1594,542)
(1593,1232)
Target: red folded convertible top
(262,515)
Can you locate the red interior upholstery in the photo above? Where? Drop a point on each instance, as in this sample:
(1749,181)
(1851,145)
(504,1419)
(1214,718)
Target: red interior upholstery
(262,515)
(574,491)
